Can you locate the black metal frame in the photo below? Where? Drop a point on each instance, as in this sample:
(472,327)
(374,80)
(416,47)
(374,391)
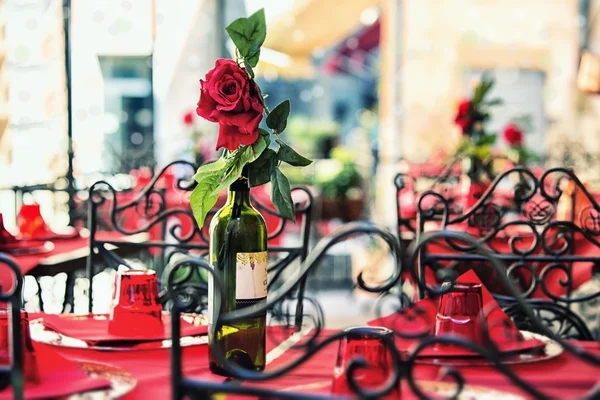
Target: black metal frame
(150,204)
(403,365)
(553,246)
(13,373)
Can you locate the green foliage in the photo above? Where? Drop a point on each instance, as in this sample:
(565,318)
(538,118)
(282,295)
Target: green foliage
(290,156)
(203,197)
(281,195)
(262,162)
(277,119)
(248,35)
(259,171)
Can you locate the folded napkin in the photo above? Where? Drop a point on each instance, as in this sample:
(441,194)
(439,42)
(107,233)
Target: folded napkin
(93,329)
(59,377)
(421,317)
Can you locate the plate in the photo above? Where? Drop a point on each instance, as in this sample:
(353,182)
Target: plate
(121,381)
(550,350)
(431,388)
(27,247)
(41,334)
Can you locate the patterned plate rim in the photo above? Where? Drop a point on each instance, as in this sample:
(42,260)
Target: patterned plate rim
(551,350)
(41,334)
(122,382)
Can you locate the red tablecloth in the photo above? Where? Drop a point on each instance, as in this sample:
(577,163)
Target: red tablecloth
(27,263)
(569,377)
(151,367)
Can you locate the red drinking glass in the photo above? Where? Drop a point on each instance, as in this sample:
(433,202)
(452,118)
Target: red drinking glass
(358,343)
(30,367)
(460,312)
(30,222)
(135,309)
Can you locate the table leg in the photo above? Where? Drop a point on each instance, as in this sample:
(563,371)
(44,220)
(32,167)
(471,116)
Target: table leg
(39,293)
(69,302)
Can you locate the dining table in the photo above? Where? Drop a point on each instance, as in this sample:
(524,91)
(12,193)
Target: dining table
(564,376)
(65,255)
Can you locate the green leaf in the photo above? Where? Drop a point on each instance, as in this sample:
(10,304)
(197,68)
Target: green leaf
(248,35)
(289,155)
(277,119)
(485,140)
(260,145)
(252,60)
(203,197)
(260,170)
(238,161)
(281,195)
(208,169)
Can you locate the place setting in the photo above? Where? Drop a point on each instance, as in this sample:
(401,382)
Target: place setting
(469,311)
(48,374)
(136,321)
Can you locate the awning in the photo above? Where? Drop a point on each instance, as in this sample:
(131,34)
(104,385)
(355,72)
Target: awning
(353,54)
(311,26)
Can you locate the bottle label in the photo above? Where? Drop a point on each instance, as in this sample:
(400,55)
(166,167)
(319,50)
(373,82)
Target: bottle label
(251,278)
(251,281)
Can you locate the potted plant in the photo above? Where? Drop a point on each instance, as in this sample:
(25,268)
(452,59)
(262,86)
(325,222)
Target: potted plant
(339,184)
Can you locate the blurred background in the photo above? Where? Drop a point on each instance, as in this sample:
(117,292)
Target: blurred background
(374,85)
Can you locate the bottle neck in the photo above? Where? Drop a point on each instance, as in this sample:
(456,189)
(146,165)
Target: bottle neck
(239,193)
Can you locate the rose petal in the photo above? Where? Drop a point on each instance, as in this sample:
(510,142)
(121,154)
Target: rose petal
(206,105)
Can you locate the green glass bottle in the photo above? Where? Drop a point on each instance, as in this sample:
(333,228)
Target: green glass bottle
(238,254)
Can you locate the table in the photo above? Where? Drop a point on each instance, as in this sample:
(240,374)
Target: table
(67,256)
(562,377)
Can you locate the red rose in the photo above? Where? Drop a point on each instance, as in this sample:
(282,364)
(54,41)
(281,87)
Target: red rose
(463,118)
(513,135)
(229,97)
(188,118)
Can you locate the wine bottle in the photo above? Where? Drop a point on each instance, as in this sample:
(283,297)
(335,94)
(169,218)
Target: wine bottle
(238,254)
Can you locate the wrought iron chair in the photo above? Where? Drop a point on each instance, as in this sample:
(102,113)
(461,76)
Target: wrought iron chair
(13,374)
(316,341)
(538,243)
(172,230)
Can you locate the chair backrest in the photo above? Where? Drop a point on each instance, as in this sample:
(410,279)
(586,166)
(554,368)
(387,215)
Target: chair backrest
(13,280)
(547,237)
(158,219)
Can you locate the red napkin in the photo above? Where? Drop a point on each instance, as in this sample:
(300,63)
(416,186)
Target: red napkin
(93,329)
(59,377)
(420,317)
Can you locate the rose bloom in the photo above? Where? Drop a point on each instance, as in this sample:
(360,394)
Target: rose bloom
(463,119)
(188,118)
(229,97)
(513,135)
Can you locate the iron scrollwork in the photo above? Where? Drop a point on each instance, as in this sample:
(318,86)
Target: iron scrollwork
(538,234)
(13,374)
(403,363)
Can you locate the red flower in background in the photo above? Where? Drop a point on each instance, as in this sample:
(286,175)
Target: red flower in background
(228,96)
(463,117)
(513,135)
(188,118)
